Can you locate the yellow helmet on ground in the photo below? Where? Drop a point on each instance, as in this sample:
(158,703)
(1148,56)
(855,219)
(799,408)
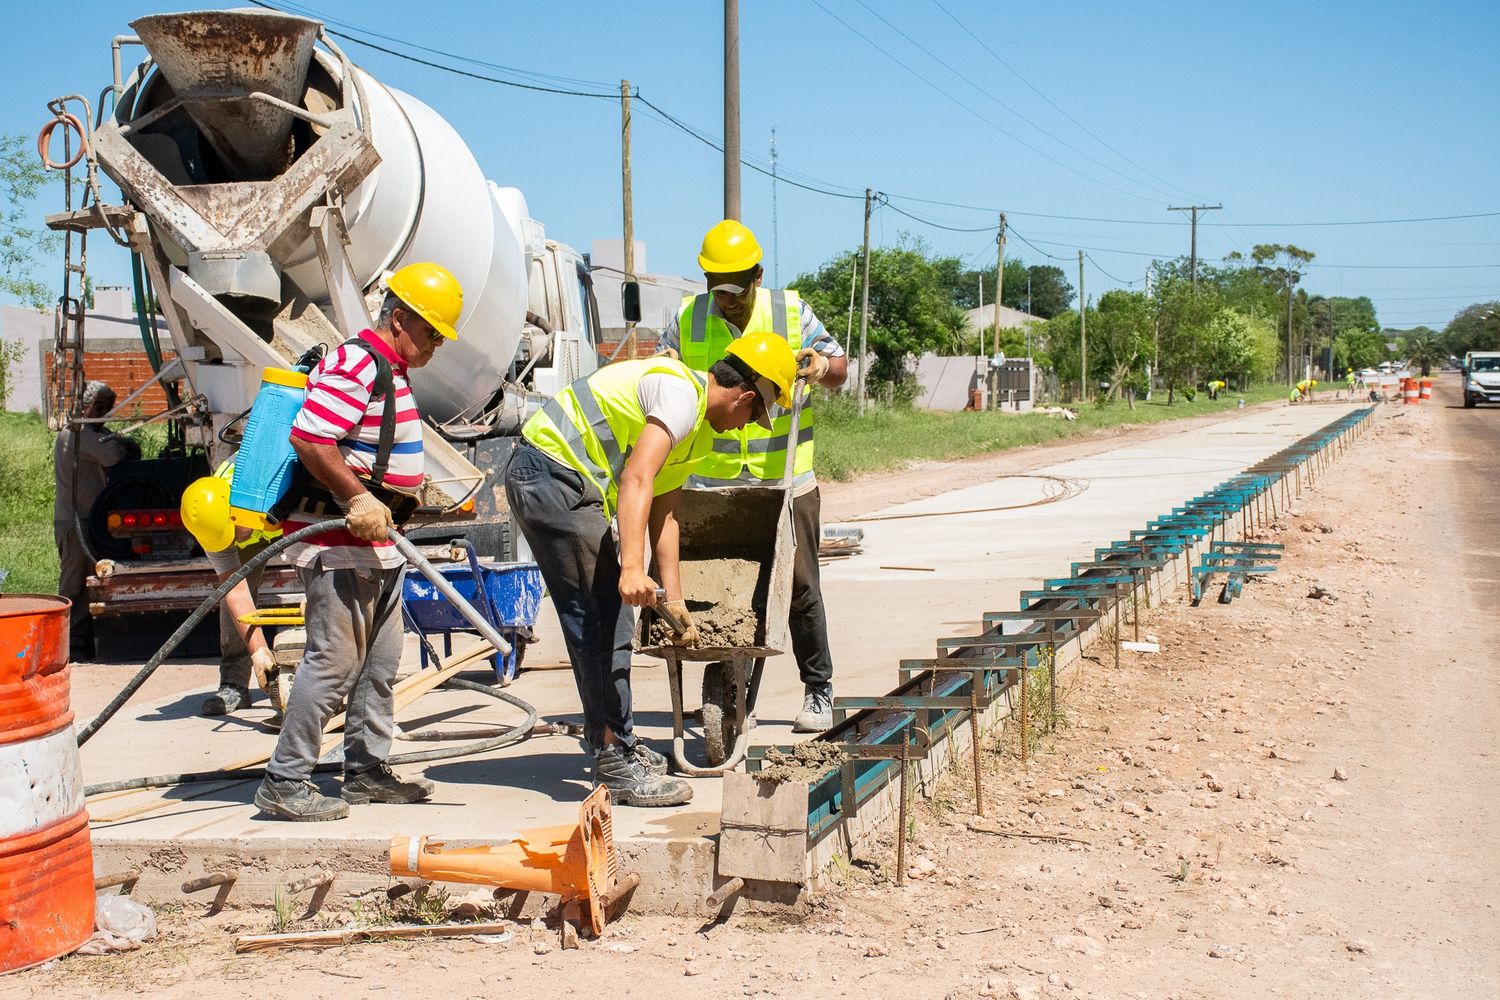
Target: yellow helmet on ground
(729,247)
(205,513)
(770,358)
(433,292)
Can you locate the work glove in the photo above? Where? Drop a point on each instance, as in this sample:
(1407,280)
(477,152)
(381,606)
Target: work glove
(811,365)
(369,519)
(263,666)
(689,638)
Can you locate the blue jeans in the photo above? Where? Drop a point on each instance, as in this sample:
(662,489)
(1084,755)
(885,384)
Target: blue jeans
(562,518)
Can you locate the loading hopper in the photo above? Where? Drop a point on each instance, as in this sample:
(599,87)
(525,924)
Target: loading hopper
(214,60)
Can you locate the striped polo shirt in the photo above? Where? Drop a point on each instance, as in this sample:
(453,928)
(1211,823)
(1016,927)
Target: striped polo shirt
(340,411)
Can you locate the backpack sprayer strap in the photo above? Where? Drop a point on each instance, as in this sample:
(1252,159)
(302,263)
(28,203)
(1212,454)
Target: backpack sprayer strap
(306,493)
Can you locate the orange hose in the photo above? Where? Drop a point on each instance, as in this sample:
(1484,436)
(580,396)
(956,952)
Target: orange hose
(44,139)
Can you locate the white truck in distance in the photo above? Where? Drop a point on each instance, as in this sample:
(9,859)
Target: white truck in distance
(1481,375)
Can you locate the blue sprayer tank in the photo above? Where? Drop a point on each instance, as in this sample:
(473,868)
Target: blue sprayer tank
(263,469)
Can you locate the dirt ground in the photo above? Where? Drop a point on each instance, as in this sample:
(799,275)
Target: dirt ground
(1295,798)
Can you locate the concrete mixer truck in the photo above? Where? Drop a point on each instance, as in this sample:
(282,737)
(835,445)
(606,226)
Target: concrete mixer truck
(268,187)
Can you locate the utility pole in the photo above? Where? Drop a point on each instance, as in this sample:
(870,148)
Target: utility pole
(1194,209)
(732,109)
(629,205)
(1083,337)
(999,294)
(1290,378)
(981,312)
(864,308)
(775,228)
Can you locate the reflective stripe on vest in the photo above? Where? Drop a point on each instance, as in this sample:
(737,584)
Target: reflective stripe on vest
(753,454)
(592,425)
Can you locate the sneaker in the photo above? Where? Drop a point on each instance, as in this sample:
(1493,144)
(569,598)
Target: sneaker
(299,801)
(817,710)
(226,700)
(380,784)
(654,763)
(630,784)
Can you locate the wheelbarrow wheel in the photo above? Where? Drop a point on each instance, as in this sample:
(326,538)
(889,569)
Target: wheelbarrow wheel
(717,713)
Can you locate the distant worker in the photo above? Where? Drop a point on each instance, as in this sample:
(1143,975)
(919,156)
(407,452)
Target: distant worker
(621,443)
(243,651)
(736,305)
(79,457)
(1305,388)
(1215,387)
(1350,381)
(352,578)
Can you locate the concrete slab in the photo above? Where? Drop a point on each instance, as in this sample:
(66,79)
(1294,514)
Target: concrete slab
(961,565)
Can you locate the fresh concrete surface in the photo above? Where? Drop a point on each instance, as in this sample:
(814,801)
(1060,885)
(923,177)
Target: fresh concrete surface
(978,562)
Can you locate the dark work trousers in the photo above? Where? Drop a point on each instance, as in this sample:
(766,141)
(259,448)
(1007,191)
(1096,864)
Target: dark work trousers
(808,621)
(234,655)
(562,518)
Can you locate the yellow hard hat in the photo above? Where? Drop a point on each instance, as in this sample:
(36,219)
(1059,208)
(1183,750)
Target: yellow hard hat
(205,513)
(433,291)
(770,359)
(728,247)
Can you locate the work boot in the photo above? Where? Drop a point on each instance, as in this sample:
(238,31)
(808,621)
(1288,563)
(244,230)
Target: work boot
(299,801)
(630,784)
(380,784)
(817,709)
(654,763)
(226,700)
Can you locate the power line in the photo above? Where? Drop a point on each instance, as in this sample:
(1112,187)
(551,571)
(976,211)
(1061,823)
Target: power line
(1012,70)
(1055,138)
(1015,138)
(1111,277)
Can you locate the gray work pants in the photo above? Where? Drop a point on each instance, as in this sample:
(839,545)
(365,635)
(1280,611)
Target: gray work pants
(353,650)
(562,517)
(234,655)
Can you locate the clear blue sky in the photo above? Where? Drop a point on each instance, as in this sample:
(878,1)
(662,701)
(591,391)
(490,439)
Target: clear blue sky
(1284,112)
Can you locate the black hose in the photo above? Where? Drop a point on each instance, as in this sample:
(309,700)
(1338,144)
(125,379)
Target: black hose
(509,736)
(209,604)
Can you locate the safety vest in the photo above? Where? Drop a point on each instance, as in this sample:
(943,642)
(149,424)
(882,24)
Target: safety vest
(592,425)
(753,453)
(225,471)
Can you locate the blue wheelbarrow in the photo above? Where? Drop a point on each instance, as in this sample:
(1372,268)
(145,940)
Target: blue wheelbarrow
(507,594)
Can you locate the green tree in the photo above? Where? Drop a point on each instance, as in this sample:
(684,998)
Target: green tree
(1050,292)
(1281,266)
(22,177)
(907,302)
(1120,338)
(1423,348)
(1474,328)
(1183,314)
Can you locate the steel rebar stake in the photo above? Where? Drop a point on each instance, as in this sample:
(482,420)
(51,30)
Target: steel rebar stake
(974,734)
(901,815)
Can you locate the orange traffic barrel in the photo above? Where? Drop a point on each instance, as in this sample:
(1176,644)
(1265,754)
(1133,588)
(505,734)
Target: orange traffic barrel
(1426,388)
(46,860)
(1409,392)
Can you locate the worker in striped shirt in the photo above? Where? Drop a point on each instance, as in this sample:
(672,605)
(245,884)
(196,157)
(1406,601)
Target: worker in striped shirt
(359,436)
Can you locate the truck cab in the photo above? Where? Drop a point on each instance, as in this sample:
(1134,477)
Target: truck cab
(1481,378)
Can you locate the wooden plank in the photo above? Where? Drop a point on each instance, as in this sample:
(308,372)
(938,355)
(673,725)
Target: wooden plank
(332,939)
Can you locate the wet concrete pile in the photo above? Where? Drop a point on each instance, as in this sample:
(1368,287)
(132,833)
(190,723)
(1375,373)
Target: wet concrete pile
(720,596)
(806,762)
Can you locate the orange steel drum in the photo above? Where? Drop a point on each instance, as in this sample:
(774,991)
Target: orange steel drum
(1426,388)
(46,860)
(1409,392)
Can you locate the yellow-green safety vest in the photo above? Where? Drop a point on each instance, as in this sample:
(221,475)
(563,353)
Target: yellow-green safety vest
(225,471)
(761,453)
(592,425)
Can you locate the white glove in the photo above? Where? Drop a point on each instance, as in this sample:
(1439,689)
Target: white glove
(263,665)
(369,519)
(811,365)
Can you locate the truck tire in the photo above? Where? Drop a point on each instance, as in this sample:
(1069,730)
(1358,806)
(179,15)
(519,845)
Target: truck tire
(1469,403)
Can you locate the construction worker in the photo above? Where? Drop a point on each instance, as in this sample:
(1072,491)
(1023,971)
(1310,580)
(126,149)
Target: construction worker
(242,648)
(359,436)
(621,443)
(1215,387)
(1305,388)
(1350,381)
(79,457)
(736,305)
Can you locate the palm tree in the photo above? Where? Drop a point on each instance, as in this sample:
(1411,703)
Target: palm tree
(1423,348)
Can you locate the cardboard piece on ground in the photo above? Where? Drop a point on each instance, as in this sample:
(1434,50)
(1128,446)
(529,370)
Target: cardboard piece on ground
(1141,647)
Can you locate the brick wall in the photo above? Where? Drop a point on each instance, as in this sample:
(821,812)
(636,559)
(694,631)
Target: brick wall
(124,372)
